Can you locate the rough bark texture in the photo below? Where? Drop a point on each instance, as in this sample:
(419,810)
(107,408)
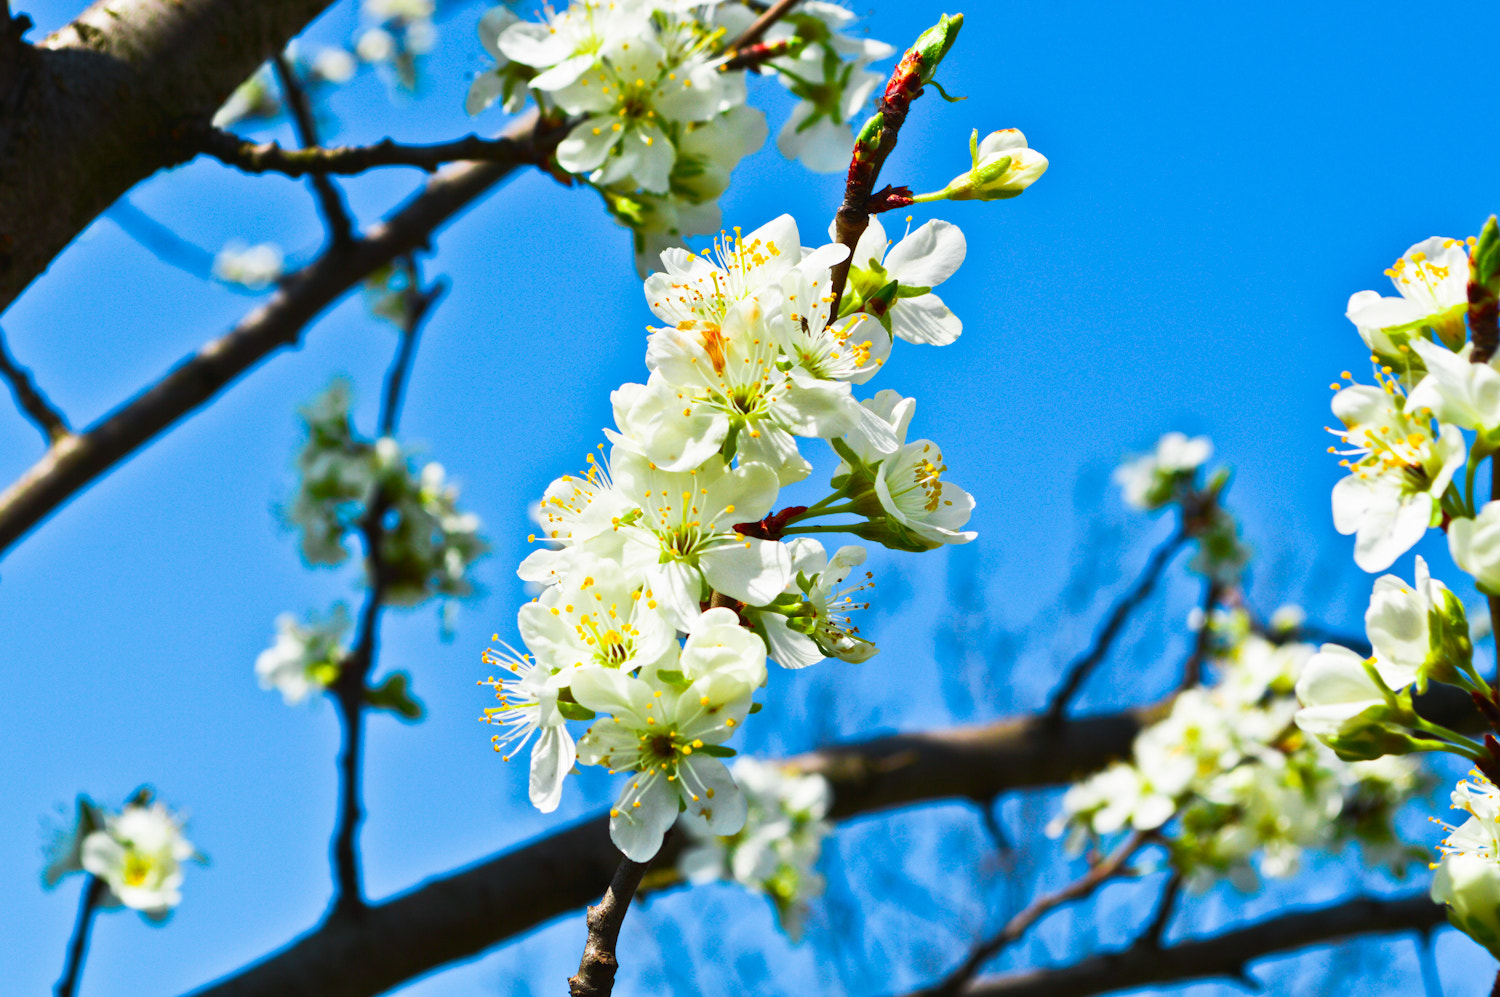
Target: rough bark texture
(459,915)
(99,106)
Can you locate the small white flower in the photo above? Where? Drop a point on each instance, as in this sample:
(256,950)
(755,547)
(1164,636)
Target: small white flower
(1455,390)
(686,538)
(1149,481)
(528,706)
(1468,875)
(254,267)
(658,733)
(819,624)
(305,657)
(918,263)
(1401,470)
(1432,278)
(139,855)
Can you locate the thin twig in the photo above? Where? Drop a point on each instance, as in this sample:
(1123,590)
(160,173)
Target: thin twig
(869,156)
(596,970)
(158,239)
(1226,955)
(1079,670)
(1192,669)
(1164,907)
(270,157)
(335,212)
(349,688)
(1494,600)
(70,467)
(753,34)
(1017,926)
(48,417)
(417,305)
(93,892)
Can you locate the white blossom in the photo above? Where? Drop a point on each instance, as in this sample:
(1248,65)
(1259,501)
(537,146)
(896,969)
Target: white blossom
(305,657)
(139,854)
(665,736)
(1150,481)
(1432,278)
(919,262)
(776,851)
(1475,546)
(255,267)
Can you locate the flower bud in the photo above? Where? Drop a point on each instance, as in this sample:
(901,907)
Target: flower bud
(1002,167)
(1470,886)
(1349,707)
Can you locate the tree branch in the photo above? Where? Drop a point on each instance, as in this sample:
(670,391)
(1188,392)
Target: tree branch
(349,689)
(761,24)
(97,107)
(596,970)
(75,462)
(48,417)
(331,202)
(1225,955)
(269,157)
(461,914)
(1017,926)
(853,216)
(93,892)
(1079,670)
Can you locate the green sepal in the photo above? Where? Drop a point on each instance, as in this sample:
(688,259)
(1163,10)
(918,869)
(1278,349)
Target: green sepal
(731,440)
(756,707)
(717,751)
(943,93)
(394,695)
(1484,258)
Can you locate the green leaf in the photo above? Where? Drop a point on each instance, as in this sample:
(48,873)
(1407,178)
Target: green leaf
(394,694)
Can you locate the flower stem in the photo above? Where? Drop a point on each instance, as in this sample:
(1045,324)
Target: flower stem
(827,528)
(596,970)
(93,892)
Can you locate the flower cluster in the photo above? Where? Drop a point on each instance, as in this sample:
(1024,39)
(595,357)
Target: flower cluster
(657,101)
(1232,784)
(427,544)
(1169,476)
(137,853)
(776,850)
(674,530)
(1415,440)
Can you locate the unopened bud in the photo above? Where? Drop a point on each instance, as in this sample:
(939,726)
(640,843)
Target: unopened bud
(1003,166)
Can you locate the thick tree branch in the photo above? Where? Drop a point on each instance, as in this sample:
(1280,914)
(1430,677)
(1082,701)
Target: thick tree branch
(1082,666)
(96,108)
(463,913)
(48,417)
(1227,955)
(596,970)
(459,915)
(76,461)
(330,201)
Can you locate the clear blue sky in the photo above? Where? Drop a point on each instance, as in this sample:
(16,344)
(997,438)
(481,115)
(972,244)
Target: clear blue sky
(1222,178)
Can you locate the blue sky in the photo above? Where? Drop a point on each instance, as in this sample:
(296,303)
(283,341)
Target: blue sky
(1222,178)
